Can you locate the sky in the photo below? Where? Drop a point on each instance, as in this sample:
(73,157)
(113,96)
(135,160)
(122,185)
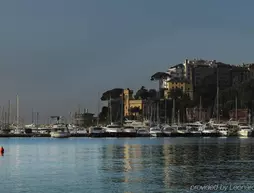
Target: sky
(58,55)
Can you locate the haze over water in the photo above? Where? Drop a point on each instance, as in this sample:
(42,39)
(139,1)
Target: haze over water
(123,165)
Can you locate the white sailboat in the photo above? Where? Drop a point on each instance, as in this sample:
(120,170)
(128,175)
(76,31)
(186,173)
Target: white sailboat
(18,130)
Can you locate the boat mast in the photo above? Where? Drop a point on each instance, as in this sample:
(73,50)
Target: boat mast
(2,117)
(173,112)
(98,118)
(110,109)
(165,113)
(70,122)
(158,104)
(121,110)
(9,113)
(17,117)
(37,120)
(236,116)
(178,117)
(32,115)
(5,120)
(150,113)
(217,70)
(200,109)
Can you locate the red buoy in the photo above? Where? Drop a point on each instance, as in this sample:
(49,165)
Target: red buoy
(2,150)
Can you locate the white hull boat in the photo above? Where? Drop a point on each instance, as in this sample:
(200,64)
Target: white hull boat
(96,131)
(245,131)
(59,134)
(143,133)
(156,132)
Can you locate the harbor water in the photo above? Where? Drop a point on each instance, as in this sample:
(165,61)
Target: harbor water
(78,165)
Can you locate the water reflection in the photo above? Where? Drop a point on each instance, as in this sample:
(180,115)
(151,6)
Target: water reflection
(125,165)
(178,166)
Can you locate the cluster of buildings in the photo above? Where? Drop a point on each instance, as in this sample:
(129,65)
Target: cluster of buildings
(187,76)
(190,75)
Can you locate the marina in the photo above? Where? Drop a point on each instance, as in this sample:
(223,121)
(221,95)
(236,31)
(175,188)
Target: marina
(196,129)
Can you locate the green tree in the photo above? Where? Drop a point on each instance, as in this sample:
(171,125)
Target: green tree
(103,115)
(142,93)
(114,101)
(113,94)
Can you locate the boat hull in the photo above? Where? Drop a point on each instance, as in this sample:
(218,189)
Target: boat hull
(129,134)
(114,134)
(102,134)
(156,134)
(244,133)
(210,134)
(143,135)
(223,134)
(59,135)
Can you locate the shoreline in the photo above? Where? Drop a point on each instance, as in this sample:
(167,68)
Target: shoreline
(106,136)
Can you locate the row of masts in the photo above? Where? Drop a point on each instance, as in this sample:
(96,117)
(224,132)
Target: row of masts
(6,116)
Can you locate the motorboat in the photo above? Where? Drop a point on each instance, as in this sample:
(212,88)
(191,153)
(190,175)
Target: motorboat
(113,130)
(96,131)
(142,132)
(244,130)
(194,129)
(156,132)
(181,131)
(129,131)
(222,129)
(169,131)
(18,131)
(209,131)
(59,130)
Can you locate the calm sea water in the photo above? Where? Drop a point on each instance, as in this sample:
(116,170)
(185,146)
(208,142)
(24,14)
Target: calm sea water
(78,165)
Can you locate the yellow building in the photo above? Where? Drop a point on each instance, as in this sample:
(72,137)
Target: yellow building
(130,103)
(184,85)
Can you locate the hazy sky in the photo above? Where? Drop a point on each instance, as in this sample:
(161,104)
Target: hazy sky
(58,54)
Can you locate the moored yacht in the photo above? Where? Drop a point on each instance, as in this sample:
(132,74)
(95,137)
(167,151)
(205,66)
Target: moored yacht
(113,130)
(222,129)
(156,132)
(96,131)
(18,131)
(244,130)
(142,132)
(129,131)
(194,129)
(209,131)
(59,130)
(181,131)
(170,130)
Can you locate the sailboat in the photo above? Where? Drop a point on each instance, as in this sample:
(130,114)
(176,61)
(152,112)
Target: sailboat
(222,128)
(18,130)
(113,129)
(156,131)
(97,131)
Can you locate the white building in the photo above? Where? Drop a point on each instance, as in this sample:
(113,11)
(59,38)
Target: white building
(176,71)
